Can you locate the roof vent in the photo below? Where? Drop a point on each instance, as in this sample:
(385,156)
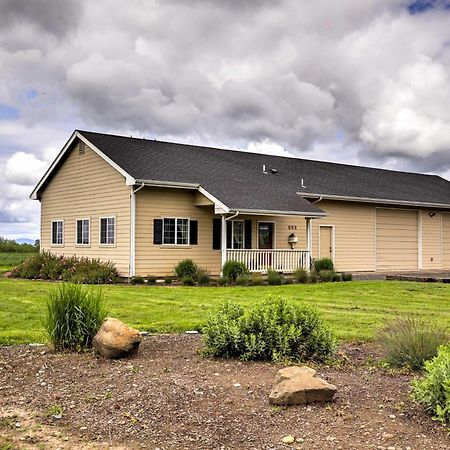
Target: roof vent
(274,171)
(81,148)
(302,185)
(264,169)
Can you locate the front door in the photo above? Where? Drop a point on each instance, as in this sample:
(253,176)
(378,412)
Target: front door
(326,242)
(265,235)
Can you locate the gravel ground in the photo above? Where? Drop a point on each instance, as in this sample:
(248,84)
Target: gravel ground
(169,397)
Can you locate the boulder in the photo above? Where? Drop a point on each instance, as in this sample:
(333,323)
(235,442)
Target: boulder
(116,340)
(297,385)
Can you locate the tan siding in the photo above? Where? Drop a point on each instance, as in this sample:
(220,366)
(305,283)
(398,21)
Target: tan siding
(431,240)
(86,186)
(354,233)
(446,240)
(397,239)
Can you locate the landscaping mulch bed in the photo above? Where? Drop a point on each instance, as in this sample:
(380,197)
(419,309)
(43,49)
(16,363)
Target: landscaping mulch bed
(169,397)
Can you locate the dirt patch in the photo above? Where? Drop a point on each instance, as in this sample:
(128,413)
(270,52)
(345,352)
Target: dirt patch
(169,397)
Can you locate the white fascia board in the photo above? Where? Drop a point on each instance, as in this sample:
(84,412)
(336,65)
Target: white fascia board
(264,212)
(375,200)
(215,200)
(128,178)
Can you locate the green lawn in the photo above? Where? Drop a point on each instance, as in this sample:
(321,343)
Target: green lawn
(354,310)
(9,260)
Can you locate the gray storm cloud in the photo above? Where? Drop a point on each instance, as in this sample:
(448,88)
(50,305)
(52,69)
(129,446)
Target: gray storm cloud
(364,82)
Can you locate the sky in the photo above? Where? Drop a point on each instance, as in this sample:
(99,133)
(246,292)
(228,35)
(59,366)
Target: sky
(355,81)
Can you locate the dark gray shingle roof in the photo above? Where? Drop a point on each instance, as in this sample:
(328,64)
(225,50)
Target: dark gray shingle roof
(236,177)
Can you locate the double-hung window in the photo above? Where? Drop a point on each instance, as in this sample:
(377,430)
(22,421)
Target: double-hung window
(107,230)
(57,232)
(83,229)
(237,233)
(175,231)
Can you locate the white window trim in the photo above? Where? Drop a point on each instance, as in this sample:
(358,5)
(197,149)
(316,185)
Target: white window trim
(89,232)
(188,232)
(51,233)
(232,235)
(100,231)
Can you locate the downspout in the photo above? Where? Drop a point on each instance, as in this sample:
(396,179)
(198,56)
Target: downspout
(133,230)
(318,200)
(224,237)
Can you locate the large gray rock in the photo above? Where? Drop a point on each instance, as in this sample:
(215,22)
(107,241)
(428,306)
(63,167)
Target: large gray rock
(296,385)
(116,340)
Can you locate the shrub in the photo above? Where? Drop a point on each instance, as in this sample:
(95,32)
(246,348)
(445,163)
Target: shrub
(243,280)
(203,278)
(232,269)
(313,277)
(347,276)
(186,268)
(256,279)
(337,277)
(270,330)
(323,264)
(168,281)
(433,391)
(48,266)
(151,279)
(326,275)
(411,341)
(300,275)
(188,281)
(222,281)
(137,280)
(274,278)
(74,315)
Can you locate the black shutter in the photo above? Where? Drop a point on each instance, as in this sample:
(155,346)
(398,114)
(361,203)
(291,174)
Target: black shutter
(157,231)
(217,234)
(229,231)
(248,233)
(193,232)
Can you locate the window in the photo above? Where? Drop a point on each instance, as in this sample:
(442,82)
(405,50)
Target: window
(237,239)
(176,231)
(107,230)
(83,226)
(57,232)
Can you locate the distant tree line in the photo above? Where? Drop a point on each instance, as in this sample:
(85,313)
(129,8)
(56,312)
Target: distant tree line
(11,246)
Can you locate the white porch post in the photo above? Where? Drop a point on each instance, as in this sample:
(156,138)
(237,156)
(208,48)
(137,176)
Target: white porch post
(309,240)
(224,243)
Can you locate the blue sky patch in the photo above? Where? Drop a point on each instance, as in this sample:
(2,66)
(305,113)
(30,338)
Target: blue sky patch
(8,112)
(421,6)
(31,93)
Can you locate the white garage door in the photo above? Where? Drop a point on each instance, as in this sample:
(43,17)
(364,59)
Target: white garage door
(397,239)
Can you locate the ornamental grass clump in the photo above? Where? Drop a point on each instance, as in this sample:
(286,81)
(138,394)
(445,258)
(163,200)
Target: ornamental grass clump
(409,342)
(433,391)
(74,315)
(273,330)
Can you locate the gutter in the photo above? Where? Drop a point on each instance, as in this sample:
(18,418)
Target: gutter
(133,229)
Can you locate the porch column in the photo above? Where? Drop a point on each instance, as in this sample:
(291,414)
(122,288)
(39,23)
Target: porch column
(224,243)
(309,240)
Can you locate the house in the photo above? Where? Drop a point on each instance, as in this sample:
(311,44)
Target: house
(146,205)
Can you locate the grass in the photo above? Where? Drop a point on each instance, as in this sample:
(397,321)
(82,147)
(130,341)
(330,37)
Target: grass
(355,310)
(9,260)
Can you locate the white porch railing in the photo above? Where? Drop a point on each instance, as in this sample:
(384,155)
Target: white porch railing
(286,261)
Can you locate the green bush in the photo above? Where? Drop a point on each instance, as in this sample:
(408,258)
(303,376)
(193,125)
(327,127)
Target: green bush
(222,281)
(186,268)
(168,281)
(313,276)
(347,276)
(48,266)
(409,342)
(326,275)
(232,269)
(274,278)
(243,280)
(270,330)
(203,278)
(10,246)
(300,275)
(151,279)
(137,280)
(74,315)
(433,391)
(337,277)
(188,281)
(256,279)
(323,264)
